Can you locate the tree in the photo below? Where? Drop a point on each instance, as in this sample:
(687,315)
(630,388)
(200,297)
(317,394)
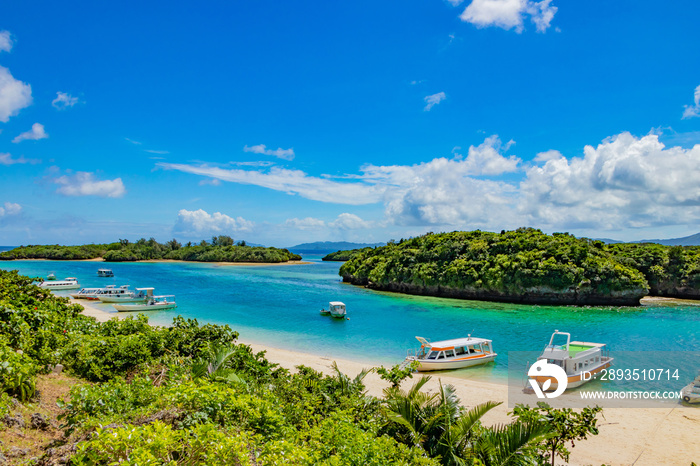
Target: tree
(567,425)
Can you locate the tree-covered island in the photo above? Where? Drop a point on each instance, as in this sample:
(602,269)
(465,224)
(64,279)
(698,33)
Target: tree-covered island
(220,249)
(526,266)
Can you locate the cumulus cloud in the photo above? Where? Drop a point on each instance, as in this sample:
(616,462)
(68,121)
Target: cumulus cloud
(693,110)
(85,184)
(198,223)
(308,223)
(346,221)
(37,132)
(509,14)
(433,100)
(14,95)
(10,208)
(5,41)
(6,159)
(624,182)
(63,101)
(286,154)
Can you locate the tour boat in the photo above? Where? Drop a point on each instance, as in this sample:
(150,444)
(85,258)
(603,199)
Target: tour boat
(110,290)
(84,293)
(691,392)
(154,303)
(335,309)
(70,283)
(105,273)
(580,360)
(143,295)
(451,354)
(51,276)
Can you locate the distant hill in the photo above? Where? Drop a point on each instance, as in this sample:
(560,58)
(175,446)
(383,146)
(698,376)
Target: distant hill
(692,240)
(324,247)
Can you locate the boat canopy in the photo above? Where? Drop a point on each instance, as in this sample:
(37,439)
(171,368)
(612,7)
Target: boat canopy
(145,289)
(336,303)
(451,344)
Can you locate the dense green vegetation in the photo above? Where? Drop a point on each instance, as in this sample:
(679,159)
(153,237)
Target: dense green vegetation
(672,271)
(188,394)
(525,265)
(220,249)
(344,255)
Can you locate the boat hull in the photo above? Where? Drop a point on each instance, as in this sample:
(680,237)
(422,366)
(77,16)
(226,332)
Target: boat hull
(338,315)
(143,307)
(425,365)
(575,380)
(117,300)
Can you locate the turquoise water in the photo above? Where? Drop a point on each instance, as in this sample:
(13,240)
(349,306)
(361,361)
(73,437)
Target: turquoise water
(278,306)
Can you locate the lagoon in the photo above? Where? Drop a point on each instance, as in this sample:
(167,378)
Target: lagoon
(278,306)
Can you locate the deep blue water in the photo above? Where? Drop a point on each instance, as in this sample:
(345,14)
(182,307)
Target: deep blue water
(278,306)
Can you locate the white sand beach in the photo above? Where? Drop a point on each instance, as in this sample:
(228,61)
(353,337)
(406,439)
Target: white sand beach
(628,436)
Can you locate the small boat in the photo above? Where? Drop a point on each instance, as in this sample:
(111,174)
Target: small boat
(143,295)
(457,353)
(325,312)
(580,360)
(154,303)
(70,283)
(51,276)
(337,309)
(105,273)
(691,392)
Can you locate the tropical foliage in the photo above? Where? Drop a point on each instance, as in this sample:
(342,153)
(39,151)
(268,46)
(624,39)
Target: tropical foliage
(220,249)
(525,265)
(344,255)
(189,394)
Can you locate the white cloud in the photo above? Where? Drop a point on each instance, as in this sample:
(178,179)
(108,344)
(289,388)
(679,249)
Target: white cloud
(693,110)
(10,208)
(37,132)
(85,184)
(308,223)
(455,2)
(14,95)
(433,100)
(625,182)
(198,223)
(548,155)
(5,41)
(6,159)
(134,142)
(346,221)
(210,181)
(286,154)
(290,182)
(509,14)
(159,152)
(64,100)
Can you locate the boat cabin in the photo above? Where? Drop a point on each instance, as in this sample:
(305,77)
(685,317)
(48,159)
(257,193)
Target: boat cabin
(105,273)
(573,356)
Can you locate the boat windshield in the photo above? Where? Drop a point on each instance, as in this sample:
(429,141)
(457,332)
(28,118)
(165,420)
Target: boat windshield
(432,355)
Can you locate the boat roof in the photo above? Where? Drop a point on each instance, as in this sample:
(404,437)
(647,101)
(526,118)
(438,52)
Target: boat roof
(336,303)
(144,289)
(104,270)
(449,344)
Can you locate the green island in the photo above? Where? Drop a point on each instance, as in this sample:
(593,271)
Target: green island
(220,249)
(345,255)
(526,266)
(77,391)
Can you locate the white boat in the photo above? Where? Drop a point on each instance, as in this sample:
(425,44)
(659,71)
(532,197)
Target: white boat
(154,303)
(451,354)
(337,309)
(143,295)
(581,360)
(105,273)
(51,276)
(70,283)
(691,392)
(84,293)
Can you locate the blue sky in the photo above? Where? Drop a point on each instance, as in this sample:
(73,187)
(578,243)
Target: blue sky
(362,121)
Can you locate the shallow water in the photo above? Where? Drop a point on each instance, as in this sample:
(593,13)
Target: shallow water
(278,306)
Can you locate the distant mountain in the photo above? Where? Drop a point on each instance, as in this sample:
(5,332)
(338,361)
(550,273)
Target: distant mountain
(692,240)
(324,247)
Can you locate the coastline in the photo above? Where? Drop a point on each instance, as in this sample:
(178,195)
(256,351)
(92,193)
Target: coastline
(153,261)
(640,436)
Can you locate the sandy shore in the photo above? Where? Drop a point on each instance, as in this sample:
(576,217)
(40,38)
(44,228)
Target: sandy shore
(628,436)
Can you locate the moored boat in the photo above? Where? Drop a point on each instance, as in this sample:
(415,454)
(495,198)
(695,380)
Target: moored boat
(51,276)
(105,273)
(457,353)
(143,295)
(84,293)
(154,303)
(70,283)
(691,392)
(581,360)
(337,309)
